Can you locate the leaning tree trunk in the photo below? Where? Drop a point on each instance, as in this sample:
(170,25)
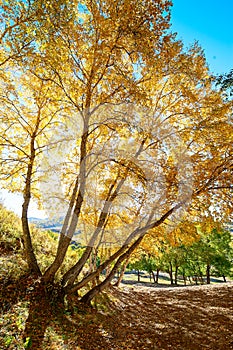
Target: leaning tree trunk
(120,278)
(154,277)
(66,237)
(122,254)
(99,288)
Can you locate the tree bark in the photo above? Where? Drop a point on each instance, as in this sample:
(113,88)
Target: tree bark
(171,273)
(70,288)
(120,278)
(176,275)
(66,237)
(28,248)
(150,275)
(72,274)
(157,275)
(98,289)
(208,274)
(154,278)
(184,278)
(27,242)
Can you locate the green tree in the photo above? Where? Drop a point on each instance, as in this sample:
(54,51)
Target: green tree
(137,265)
(210,254)
(209,251)
(150,265)
(216,253)
(225,81)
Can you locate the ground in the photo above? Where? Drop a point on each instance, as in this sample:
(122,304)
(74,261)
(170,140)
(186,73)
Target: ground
(185,318)
(197,317)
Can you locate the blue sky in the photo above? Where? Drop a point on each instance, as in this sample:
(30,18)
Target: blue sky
(210,22)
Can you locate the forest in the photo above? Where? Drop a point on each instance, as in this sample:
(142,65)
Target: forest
(108,122)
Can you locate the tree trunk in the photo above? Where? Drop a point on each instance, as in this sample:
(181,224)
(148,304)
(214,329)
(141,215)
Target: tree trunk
(28,248)
(66,237)
(65,241)
(154,278)
(157,276)
(224,278)
(72,274)
(122,272)
(184,278)
(176,275)
(171,273)
(72,288)
(138,273)
(201,277)
(75,270)
(208,274)
(98,289)
(27,242)
(61,253)
(124,252)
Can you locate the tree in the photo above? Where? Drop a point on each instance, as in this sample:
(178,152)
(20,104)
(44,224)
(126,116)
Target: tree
(225,81)
(137,264)
(27,114)
(194,249)
(209,253)
(142,118)
(215,252)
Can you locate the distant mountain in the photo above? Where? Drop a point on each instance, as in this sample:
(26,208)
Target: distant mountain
(54,225)
(48,224)
(32,219)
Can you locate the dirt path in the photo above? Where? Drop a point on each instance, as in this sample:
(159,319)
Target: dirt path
(190,318)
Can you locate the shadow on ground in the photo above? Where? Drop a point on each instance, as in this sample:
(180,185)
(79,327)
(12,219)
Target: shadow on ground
(191,318)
